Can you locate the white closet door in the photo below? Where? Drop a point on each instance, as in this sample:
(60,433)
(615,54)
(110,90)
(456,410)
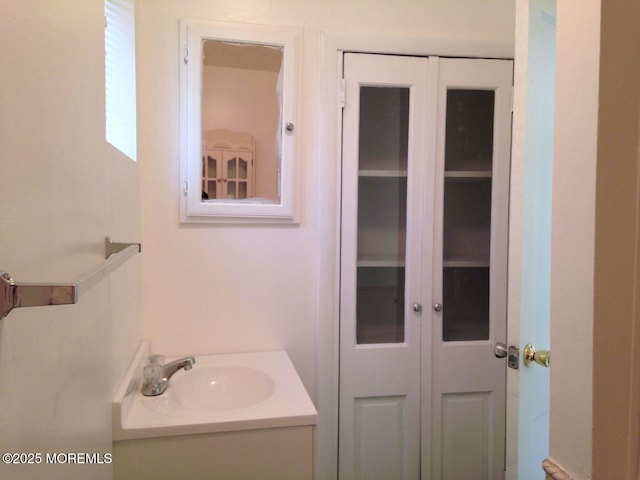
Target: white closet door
(469,275)
(426,148)
(380,345)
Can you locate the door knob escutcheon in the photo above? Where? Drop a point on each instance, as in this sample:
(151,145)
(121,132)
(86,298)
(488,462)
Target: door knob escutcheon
(541,357)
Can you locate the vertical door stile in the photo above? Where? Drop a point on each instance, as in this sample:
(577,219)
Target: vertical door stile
(429,263)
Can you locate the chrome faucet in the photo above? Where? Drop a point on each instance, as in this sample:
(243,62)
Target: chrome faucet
(155,377)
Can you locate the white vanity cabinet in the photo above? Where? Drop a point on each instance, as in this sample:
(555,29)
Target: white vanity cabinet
(426,145)
(265,454)
(227,165)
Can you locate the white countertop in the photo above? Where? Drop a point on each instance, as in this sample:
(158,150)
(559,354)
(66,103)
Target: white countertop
(137,416)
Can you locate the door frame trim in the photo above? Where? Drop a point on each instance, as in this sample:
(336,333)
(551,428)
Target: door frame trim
(332,45)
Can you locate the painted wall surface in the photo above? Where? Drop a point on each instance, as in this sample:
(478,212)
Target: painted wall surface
(573,233)
(62,190)
(223,288)
(616,405)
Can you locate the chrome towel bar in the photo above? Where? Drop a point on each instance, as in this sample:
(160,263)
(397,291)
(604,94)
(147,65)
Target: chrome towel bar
(20,294)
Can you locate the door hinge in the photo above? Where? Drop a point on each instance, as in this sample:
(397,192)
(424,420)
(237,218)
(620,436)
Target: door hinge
(185,187)
(341,92)
(186,54)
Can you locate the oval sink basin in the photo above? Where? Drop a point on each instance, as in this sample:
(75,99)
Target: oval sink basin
(222,387)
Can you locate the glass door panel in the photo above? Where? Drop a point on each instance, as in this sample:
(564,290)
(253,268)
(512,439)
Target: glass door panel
(382,214)
(466,296)
(467,214)
(382,219)
(210,190)
(212,167)
(469,127)
(380,303)
(231,168)
(242,169)
(209,174)
(384,124)
(242,189)
(467,222)
(231,189)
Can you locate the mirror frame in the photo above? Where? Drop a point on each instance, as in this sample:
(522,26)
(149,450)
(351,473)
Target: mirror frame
(192,209)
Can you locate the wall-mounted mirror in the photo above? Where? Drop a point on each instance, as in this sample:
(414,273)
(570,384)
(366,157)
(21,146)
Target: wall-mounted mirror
(238,92)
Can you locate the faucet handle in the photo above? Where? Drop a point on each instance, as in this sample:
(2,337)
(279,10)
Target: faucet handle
(153,371)
(152,374)
(156,359)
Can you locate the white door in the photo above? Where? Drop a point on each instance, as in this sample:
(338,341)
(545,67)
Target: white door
(470,271)
(380,335)
(530,268)
(423,222)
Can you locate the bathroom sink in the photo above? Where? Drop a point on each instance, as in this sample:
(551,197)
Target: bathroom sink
(222,387)
(221,393)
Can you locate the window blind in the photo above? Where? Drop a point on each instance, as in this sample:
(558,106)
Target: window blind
(120,76)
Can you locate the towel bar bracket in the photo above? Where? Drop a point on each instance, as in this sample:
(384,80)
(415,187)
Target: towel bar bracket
(111,248)
(21,294)
(14,294)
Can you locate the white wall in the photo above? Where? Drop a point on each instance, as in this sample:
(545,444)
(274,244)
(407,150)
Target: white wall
(62,190)
(573,230)
(616,363)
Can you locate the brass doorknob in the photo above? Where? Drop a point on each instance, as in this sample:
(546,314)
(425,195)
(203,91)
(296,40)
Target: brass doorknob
(541,357)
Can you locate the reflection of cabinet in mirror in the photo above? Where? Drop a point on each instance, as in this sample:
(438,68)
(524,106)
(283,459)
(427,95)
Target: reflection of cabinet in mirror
(227,165)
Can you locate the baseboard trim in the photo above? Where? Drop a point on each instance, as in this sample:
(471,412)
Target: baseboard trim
(554,471)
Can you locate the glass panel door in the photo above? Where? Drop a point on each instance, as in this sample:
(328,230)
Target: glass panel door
(209,176)
(467,413)
(243,168)
(467,214)
(384,166)
(382,214)
(236,177)
(231,177)
(231,168)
